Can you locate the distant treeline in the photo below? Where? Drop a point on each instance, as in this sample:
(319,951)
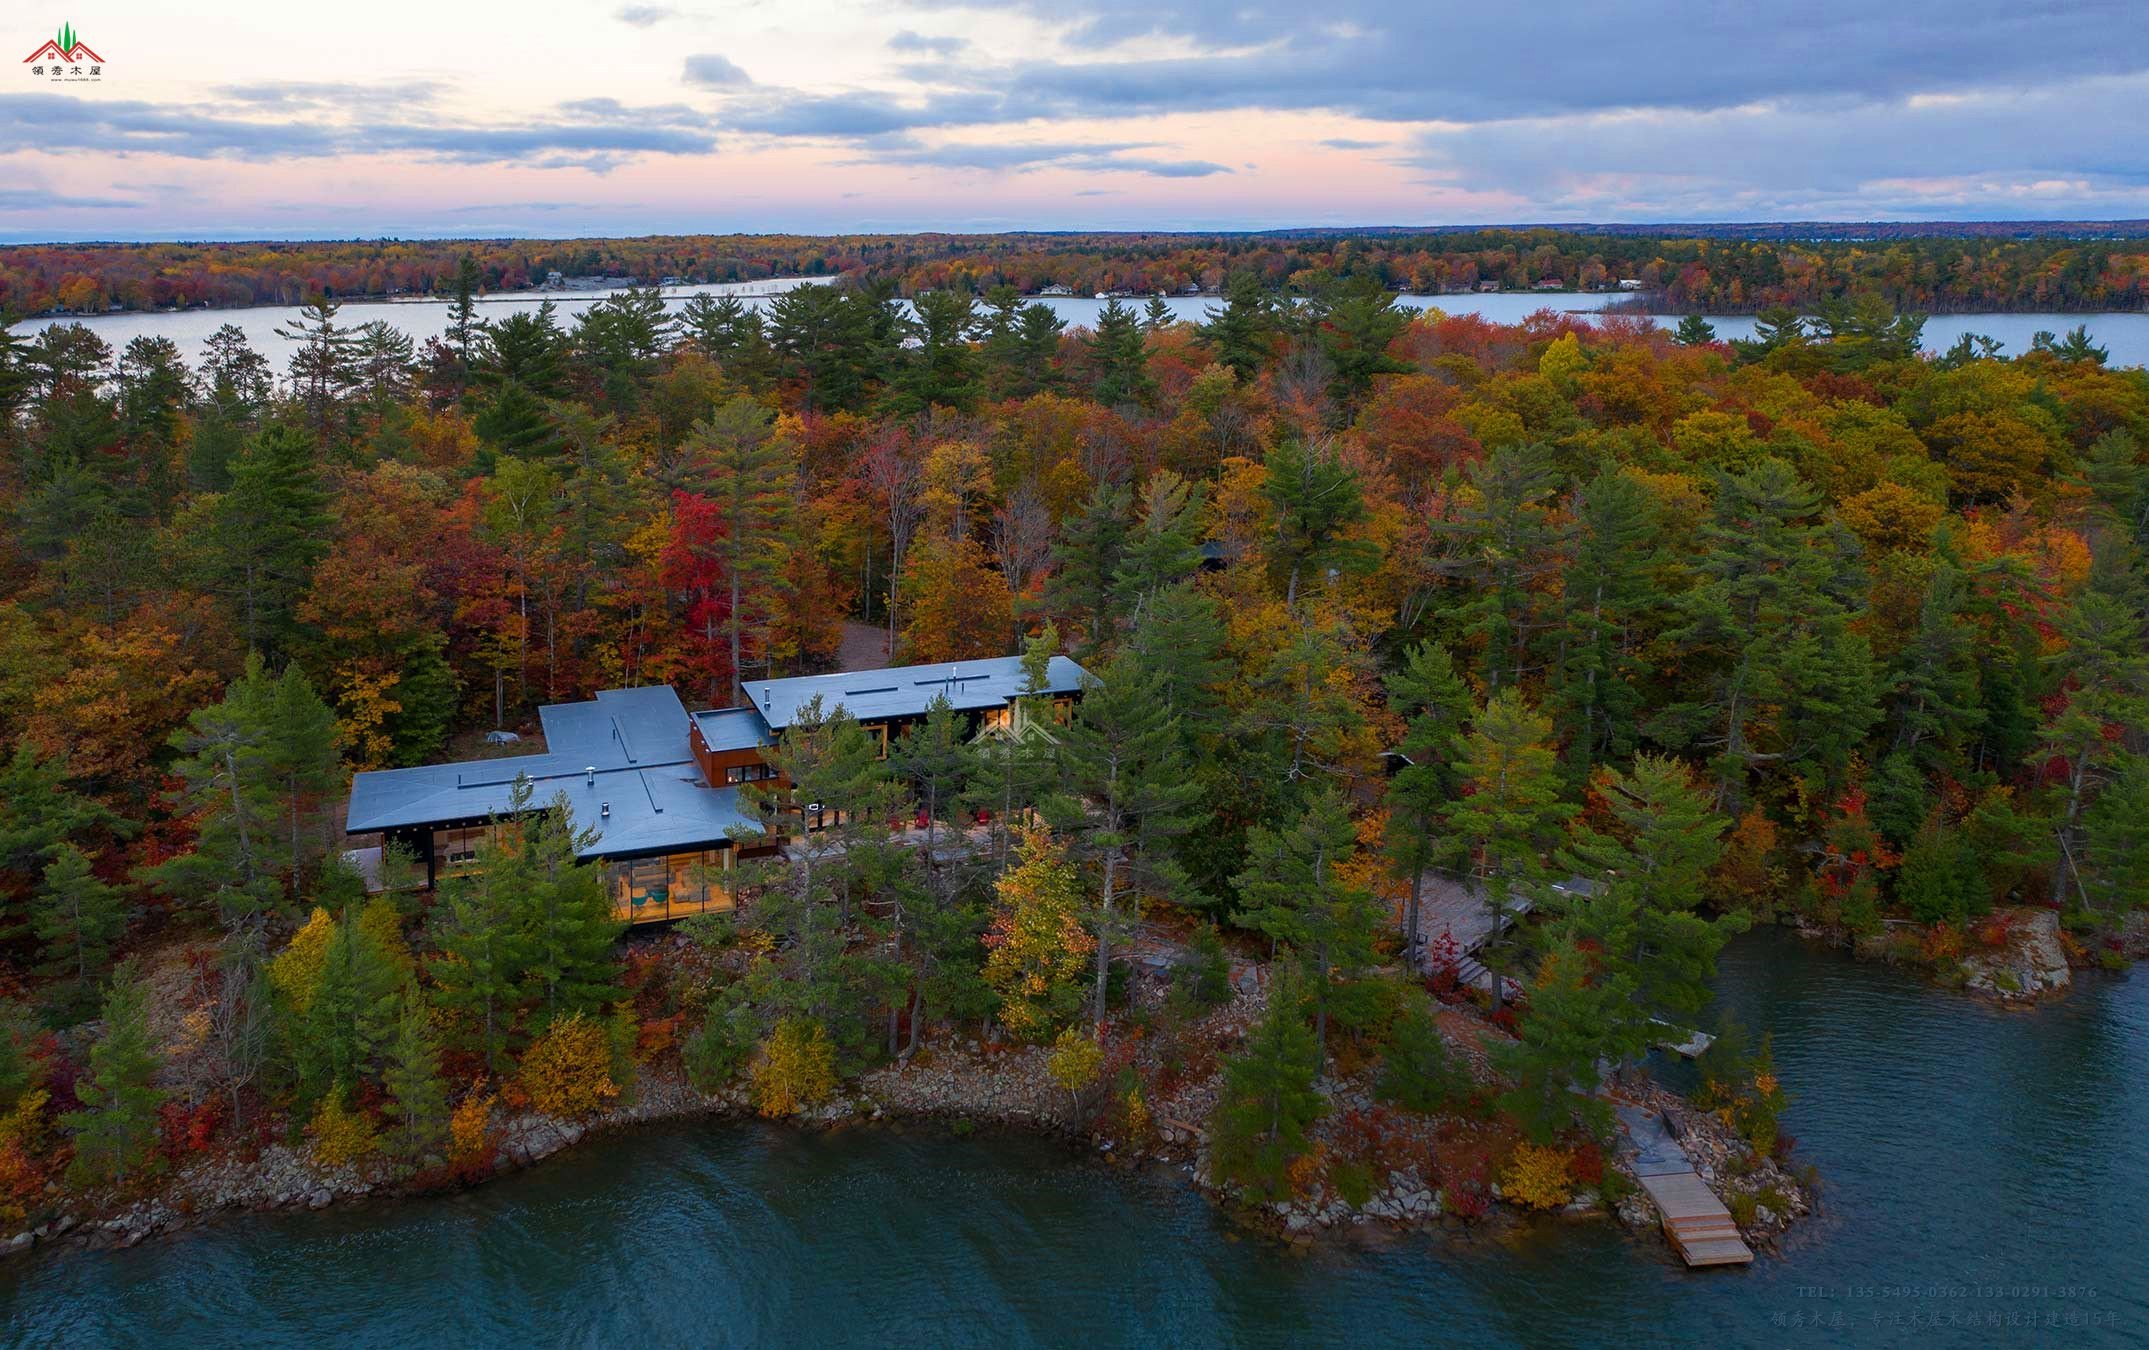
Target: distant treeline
(2037,266)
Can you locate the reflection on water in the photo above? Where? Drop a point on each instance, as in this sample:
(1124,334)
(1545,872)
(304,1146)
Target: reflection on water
(1977,1164)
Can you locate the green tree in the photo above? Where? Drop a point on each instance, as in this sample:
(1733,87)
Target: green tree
(40,815)
(257,544)
(1573,1023)
(115,1131)
(322,372)
(1694,331)
(78,918)
(1086,559)
(1649,871)
(1130,799)
(1609,589)
(1418,1072)
(417,1098)
(1269,1100)
(1119,358)
(338,1040)
(1317,499)
(227,769)
(750,476)
(1510,814)
(1297,889)
(943,370)
(1436,705)
(1242,332)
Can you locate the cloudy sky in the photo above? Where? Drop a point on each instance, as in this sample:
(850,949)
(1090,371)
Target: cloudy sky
(483,117)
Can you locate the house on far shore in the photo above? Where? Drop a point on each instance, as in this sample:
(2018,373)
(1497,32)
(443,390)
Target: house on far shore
(1055,289)
(1550,284)
(657,787)
(1630,283)
(1487,287)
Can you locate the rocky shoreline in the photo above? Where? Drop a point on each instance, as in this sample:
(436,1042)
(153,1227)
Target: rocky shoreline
(965,1083)
(2033,959)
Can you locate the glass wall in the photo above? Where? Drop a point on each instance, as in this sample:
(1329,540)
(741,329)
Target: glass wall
(649,890)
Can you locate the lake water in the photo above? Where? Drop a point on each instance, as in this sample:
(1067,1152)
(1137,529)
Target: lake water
(1984,1184)
(2125,336)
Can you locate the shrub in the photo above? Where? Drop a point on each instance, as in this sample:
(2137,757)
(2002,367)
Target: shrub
(1586,1163)
(568,1072)
(341,1136)
(1204,980)
(797,1068)
(1742,1208)
(1537,1177)
(718,1048)
(1353,1181)
(470,1127)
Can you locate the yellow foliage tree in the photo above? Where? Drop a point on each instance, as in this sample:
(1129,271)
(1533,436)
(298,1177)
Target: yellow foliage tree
(296,970)
(1537,1177)
(1074,1061)
(568,1072)
(797,1068)
(1037,948)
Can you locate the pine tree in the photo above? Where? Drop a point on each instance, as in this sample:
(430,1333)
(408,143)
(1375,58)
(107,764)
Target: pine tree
(2106,662)
(1649,874)
(943,370)
(1269,1100)
(1241,333)
(1438,706)
(1131,798)
(477,973)
(337,1042)
(1317,500)
(1511,814)
(939,763)
(265,535)
(1164,546)
(1119,358)
(1088,554)
(569,929)
(417,1099)
(39,815)
(1299,889)
(750,476)
(1035,947)
(322,373)
(1694,331)
(463,324)
(1608,587)
(1574,1022)
(115,1131)
(78,918)
(1935,704)
(1506,536)
(227,769)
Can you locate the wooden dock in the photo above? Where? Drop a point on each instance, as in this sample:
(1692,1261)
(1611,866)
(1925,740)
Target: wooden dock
(1696,1223)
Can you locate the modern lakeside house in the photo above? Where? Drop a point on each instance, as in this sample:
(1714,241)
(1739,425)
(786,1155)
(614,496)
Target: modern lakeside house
(657,787)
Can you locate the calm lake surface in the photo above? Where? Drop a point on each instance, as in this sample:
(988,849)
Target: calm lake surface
(1985,1184)
(2125,336)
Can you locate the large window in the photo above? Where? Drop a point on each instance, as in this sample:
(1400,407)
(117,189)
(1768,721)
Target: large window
(747,773)
(646,890)
(456,851)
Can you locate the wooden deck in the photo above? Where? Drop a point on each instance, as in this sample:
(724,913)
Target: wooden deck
(1696,1223)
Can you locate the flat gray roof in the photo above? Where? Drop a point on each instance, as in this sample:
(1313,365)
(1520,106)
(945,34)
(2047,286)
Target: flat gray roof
(626,750)
(906,691)
(732,729)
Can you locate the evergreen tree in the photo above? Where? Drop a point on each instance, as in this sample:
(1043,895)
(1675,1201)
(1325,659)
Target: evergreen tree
(298,756)
(1085,560)
(1119,358)
(39,817)
(1299,889)
(1242,332)
(1510,814)
(1648,871)
(1418,1072)
(943,370)
(1506,540)
(938,763)
(825,337)
(1935,705)
(1317,499)
(1694,331)
(463,322)
(78,918)
(1437,706)
(1037,348)
(1130,798)
(569,926)
(481,949)
(518,422)
(1157,315)
(338,1040)
(1164,546)
(322,375)
(262,538)
(227,770)
(115,1131)
(1574,1022)
(2106,666)
(1269,1100)
(417,1099)
(1357,322)
(1609,584)
(750,476)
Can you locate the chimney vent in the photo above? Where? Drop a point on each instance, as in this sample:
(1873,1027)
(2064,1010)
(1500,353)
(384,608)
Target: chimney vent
(589,775)
(604,810)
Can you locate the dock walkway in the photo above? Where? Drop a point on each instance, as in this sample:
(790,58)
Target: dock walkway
(1695,1221)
